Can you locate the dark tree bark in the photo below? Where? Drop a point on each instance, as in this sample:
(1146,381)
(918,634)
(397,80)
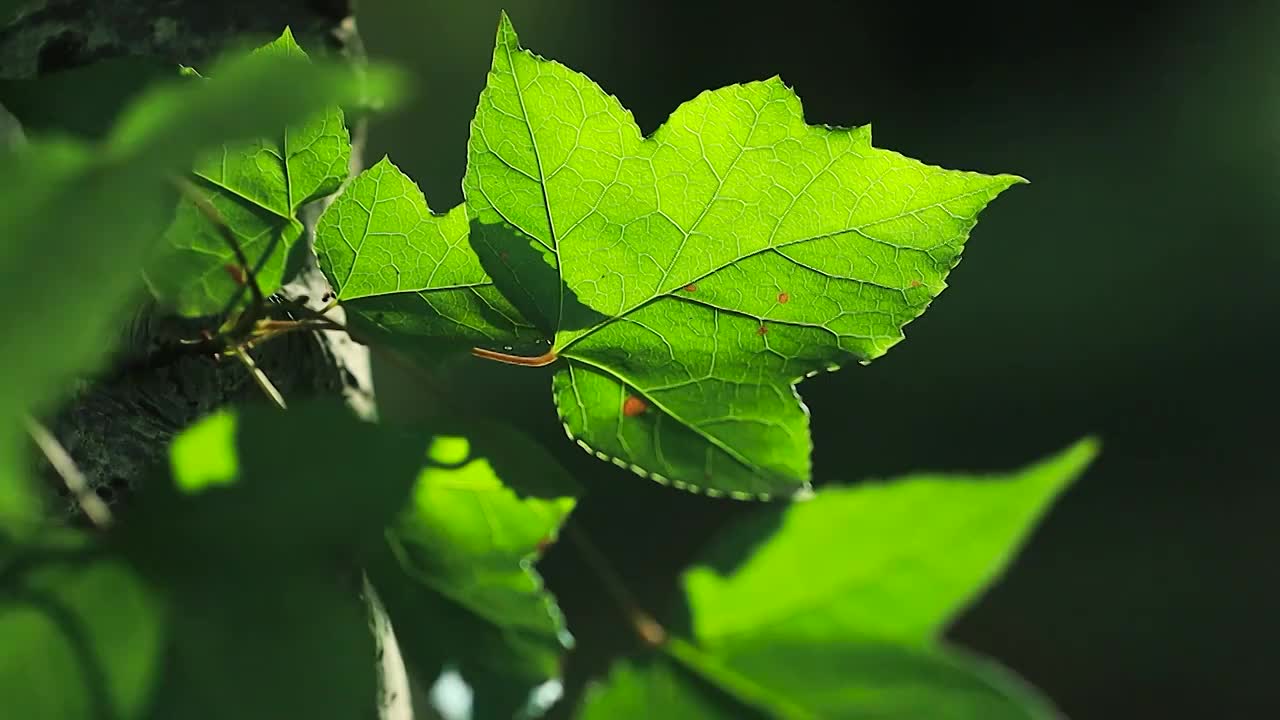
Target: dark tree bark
(117,426)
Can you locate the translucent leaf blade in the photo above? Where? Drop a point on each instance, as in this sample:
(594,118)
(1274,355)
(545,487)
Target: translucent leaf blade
(408,277)
(708,268)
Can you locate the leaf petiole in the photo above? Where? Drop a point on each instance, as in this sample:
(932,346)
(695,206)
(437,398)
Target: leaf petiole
(542,360)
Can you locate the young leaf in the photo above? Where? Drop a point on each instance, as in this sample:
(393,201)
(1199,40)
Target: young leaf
(408,277)
(706,269)
(899,559)
(83,635)
(457,577)
(257,188)
(836,611)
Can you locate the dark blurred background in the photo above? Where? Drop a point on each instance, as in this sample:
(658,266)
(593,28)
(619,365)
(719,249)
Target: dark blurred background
(1129,291)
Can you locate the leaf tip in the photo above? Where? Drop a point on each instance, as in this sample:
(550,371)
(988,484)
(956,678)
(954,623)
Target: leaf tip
(507,31)
(1067,465)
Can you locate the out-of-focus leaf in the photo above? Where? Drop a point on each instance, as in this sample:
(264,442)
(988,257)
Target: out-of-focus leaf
(898,559)
(82,635)
(457,575)
(830,607)
(838,680)
(78,221)
(256,545)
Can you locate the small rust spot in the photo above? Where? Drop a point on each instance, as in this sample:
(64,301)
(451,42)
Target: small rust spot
(784,298)
(544,543)
(691,288)
(762,330)
(916,283)
(634,406)
(235,272)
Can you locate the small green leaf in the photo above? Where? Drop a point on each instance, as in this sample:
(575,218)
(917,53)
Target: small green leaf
(83,636)
(457,578)
(407,277)
(258,188)
(706,269)
(898,559)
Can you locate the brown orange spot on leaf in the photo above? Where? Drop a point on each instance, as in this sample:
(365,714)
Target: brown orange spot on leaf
(544,543)
(784,298)
(762,330)
(634,406)
(691,288)
(916,283)
(236,272)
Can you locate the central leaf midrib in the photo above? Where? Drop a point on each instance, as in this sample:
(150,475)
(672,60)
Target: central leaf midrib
(542,179)
(223,187)
(417,291)
(670,293)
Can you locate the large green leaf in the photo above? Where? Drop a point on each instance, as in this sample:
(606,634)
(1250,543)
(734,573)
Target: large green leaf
(258,188)
(77,221)
(82,634)
(831,607)
(705,269)
(457,576)
(407,277)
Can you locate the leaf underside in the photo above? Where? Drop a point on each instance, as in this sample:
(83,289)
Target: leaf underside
(686,281)
(703,270)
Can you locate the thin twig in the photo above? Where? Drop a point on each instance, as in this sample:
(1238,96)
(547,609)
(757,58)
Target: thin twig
(259,377)
(92,505)
(646,627)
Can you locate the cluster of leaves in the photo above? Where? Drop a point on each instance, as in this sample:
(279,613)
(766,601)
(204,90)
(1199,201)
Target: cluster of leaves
(681,284)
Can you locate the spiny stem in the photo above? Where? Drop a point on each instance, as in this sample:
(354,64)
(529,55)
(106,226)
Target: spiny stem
(92,505)
(649,630)
(541,361)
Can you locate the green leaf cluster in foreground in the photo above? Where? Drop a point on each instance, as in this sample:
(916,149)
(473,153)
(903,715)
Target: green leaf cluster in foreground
(78,219)
(679,284)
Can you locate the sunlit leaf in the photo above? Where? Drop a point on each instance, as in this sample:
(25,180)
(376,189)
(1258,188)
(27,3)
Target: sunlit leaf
(689,279)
